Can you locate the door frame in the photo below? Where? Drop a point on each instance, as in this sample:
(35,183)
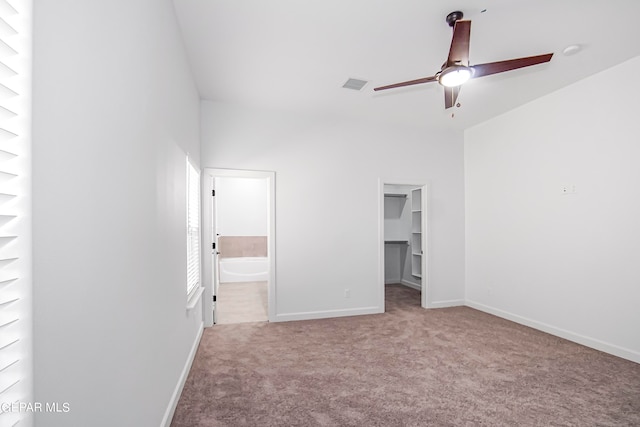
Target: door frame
(425,300)
(209,267)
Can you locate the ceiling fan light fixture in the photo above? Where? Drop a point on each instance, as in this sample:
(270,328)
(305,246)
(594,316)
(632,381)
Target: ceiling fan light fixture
(454,76)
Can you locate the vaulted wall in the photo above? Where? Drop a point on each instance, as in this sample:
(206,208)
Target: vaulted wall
(552,208)
(115,114)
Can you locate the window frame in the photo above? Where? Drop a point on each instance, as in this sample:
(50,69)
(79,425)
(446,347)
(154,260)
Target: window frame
(193,232)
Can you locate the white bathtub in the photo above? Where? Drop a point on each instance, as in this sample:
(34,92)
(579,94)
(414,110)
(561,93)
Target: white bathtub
(245,269)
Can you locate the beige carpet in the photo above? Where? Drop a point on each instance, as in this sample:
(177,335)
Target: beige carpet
(407,367)
(241,302)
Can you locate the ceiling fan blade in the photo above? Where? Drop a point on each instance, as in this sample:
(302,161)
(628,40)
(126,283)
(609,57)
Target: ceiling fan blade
(481,70)
(450,96)
(459,50)
(409,83)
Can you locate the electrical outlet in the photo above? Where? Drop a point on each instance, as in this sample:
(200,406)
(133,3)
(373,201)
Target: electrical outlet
(347,293)
(568,189)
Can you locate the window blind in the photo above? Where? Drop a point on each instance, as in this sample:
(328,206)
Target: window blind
(15,223)
(193,228)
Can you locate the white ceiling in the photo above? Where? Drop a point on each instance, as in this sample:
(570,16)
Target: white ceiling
(297,54)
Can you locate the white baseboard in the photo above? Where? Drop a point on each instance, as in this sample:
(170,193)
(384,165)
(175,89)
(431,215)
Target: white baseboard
(308,315)
(447,303)
(175,397)
(411,285)
(392,281)
(606,347)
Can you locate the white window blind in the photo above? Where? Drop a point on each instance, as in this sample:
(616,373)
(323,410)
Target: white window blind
(15,206)
(193,228)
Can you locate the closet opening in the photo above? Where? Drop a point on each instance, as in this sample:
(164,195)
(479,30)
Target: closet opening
(404,235)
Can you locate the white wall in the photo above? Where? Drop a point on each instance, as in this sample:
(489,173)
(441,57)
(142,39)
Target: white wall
(241,206)
(115,113)
(563,263)
(327,200)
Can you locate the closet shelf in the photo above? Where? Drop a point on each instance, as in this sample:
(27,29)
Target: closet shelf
(396,242)
(395,195)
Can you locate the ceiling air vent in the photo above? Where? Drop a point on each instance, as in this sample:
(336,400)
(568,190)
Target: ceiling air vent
(354,84)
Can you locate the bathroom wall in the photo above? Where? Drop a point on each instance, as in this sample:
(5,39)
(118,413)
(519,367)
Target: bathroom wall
(242,246)
(241,206)
(241,217)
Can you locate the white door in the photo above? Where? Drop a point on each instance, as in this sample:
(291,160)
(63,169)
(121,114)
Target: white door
(215,251)
(210,244)
(424,273)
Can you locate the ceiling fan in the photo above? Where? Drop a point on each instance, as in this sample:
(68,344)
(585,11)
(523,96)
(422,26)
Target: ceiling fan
(457,70)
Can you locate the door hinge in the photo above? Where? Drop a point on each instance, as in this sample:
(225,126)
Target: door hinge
(213,193)
(214,298)
(213,245)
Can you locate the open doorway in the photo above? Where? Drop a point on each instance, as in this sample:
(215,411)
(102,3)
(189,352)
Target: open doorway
(404,235)
(239,272)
